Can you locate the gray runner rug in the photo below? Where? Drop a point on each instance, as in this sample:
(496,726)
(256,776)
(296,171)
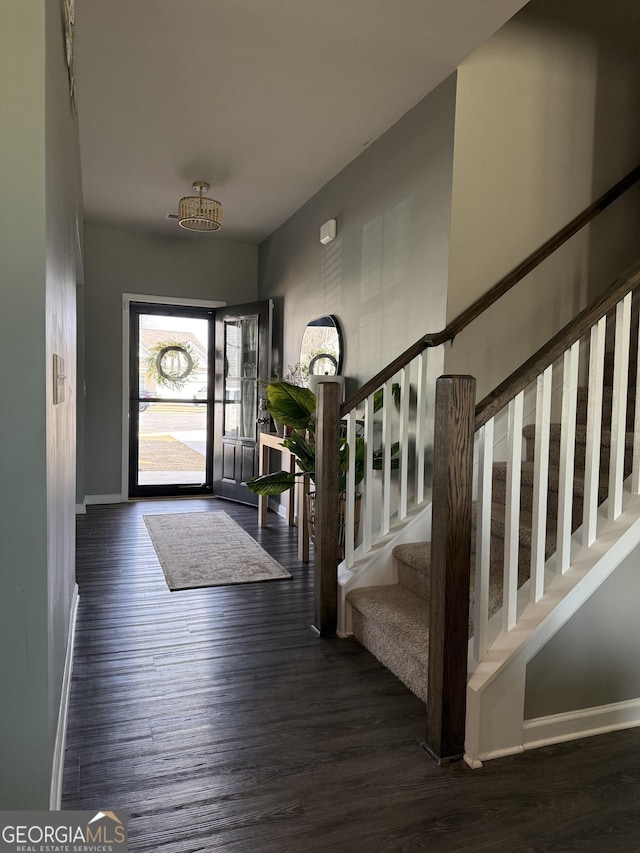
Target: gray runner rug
(199,549)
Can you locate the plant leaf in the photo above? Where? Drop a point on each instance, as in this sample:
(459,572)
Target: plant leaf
(291,405)
(378,397)
(378,457)
(302,450)
(272,484)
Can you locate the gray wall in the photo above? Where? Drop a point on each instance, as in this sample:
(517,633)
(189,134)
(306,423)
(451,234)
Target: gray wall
(385,275)
(118,261)
(63,210)
(37,221)
(547,119)
(593,659)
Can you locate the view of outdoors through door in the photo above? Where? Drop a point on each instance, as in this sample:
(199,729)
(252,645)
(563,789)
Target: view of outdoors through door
(170,417)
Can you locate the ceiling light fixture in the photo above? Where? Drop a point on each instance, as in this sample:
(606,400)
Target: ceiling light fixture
(198,213)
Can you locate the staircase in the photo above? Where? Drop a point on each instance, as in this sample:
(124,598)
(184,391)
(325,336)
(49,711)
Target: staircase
(390,620)
(515,550)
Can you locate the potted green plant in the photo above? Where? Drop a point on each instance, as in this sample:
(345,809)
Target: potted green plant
(294,376)
(295,407)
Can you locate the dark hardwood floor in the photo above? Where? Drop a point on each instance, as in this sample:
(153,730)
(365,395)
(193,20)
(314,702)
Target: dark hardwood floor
(219,722)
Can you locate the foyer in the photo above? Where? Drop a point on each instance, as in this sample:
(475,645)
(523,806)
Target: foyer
(219,722)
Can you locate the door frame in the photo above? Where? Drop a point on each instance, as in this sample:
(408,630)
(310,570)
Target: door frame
(127,299)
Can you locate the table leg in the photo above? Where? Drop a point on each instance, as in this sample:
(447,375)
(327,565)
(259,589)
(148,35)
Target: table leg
(302,487)
(263,500)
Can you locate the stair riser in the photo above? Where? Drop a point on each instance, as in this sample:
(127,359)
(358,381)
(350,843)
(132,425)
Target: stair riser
(581,411)
(496,552)
(580,454)
(409,669)
(499,495)
(413,579)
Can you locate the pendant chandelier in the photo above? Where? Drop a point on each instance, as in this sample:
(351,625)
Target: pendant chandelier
(199,213)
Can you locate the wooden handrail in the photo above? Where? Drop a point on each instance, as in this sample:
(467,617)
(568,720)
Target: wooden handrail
(553,349)
(493,294)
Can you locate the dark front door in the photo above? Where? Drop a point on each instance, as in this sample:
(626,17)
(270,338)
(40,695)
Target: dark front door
(242,352)
(170,400)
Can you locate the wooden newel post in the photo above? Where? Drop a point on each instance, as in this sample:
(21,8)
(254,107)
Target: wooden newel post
(450,566)
(327,508)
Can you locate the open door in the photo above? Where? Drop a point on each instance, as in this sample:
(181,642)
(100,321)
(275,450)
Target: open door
(242,369)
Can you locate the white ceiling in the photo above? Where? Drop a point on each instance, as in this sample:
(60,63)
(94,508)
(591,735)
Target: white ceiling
(266,100)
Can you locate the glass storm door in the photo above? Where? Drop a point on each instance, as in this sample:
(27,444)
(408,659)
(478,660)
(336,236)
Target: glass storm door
(243,347)
(171,400)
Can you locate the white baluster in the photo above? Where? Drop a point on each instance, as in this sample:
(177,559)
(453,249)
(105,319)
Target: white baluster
(405,386)
(619,405)
(512,513)
(367,521)
(635,473)
(594,433)
(421,417)
(387,410)
(567,457)
(435,368)
(483,540)
(540,483)
(350,490)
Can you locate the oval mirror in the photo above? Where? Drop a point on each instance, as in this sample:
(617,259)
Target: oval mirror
(321,347)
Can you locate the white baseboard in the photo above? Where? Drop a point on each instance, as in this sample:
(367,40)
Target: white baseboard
(558,728)
(55,794)
(81,508)
(91,500)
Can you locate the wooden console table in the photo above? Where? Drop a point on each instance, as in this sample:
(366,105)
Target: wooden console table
(296,496)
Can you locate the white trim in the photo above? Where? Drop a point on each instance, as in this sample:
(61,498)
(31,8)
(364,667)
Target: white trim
(585,722)
(102,499)
(81,508)
(127,299)
(57,769)
(476,763)
(496,690)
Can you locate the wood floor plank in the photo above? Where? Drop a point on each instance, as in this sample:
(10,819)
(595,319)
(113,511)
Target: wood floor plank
(219,722)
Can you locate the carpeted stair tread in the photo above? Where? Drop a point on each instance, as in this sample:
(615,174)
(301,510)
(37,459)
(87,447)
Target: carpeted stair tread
(414,554)
(527,472)
(398,610)
(392,623)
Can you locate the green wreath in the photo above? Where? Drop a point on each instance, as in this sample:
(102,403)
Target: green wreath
(158,370)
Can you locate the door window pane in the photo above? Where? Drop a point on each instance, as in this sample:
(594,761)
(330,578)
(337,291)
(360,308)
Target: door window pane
(241,377)
(172,443)
(173,357)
